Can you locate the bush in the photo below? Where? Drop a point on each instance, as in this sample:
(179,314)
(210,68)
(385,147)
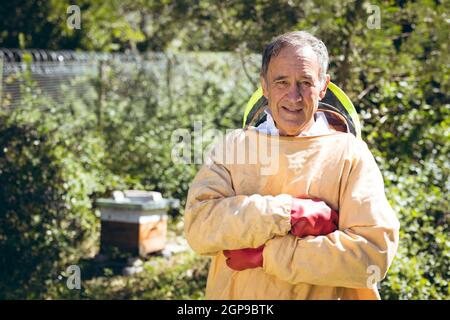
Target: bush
(44,215)
(31,212)
(412,145)
(422,265)
(48,179)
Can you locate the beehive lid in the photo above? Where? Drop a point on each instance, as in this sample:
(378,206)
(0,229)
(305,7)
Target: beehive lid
(138,200)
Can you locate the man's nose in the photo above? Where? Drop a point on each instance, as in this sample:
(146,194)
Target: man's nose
(295,94)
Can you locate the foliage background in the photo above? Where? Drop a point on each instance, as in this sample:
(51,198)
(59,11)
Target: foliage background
(57,158)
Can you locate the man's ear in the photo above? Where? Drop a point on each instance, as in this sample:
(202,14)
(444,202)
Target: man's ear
(323,91)
(264,86)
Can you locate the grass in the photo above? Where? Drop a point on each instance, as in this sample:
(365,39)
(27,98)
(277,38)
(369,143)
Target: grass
(180,276)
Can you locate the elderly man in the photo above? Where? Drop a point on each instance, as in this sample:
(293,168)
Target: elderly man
(319,227)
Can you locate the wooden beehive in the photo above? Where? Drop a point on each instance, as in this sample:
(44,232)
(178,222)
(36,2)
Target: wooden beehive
(137,227)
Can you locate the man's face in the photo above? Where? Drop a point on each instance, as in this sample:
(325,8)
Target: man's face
(293,88)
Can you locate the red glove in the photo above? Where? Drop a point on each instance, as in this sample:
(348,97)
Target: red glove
(242,259)
(312,217)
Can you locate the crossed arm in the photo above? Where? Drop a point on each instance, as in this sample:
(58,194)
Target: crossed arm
(217,219)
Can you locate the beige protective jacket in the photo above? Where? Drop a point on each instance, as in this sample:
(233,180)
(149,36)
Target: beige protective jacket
(237,201)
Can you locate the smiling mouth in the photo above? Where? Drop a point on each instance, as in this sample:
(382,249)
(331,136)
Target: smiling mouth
(292,111)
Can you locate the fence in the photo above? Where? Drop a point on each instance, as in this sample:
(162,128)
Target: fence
(52,70)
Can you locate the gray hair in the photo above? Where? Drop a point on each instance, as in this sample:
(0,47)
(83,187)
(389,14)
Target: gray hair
(297,39)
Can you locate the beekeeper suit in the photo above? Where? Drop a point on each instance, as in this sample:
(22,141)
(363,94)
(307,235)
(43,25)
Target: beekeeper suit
(292,209)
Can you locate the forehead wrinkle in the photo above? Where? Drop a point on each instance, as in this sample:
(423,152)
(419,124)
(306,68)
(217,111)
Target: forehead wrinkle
(289,69)
(303,60)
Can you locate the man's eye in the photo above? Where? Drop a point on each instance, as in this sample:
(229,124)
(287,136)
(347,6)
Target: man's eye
(307,83)
(281,83)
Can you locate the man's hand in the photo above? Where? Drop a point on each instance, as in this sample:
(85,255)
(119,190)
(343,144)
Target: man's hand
(309,217)
(242,259)
(312,217)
